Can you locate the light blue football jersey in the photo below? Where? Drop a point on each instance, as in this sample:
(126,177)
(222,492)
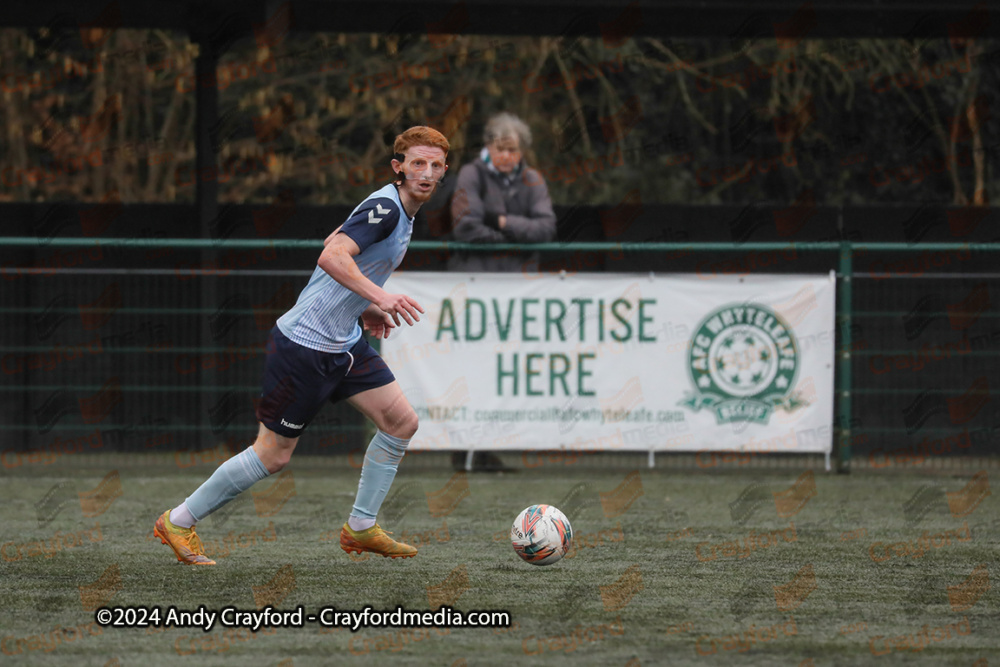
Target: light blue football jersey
(325,316)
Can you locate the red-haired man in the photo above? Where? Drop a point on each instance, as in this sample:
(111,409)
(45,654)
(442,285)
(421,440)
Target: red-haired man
(316,353)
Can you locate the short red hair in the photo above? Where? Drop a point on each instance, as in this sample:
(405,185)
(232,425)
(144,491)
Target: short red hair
(420,135)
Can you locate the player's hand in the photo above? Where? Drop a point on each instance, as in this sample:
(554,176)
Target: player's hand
(400,305)
(377,322)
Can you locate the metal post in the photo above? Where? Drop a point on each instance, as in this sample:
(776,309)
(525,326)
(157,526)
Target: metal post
(207,206)
(843,382)
(206,97)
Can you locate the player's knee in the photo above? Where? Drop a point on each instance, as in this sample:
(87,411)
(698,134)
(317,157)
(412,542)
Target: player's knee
(278,461)
(404,426)
(272,452)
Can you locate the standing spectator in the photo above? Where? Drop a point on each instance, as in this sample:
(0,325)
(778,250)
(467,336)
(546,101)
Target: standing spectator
(499,199)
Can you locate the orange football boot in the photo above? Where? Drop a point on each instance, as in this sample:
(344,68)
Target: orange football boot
(184,541)
(374,540)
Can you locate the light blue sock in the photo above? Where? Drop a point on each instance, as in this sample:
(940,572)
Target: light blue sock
(229,480)
(381,461)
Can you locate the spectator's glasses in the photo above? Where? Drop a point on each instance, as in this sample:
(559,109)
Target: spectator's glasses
(507,147)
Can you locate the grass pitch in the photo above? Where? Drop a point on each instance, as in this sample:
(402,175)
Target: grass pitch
(671,567)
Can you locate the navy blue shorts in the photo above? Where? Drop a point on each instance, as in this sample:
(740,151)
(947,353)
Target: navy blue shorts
(299,380)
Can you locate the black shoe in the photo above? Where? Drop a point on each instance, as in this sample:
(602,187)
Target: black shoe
(481,462)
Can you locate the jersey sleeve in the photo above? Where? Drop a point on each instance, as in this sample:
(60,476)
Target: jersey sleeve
(374,221)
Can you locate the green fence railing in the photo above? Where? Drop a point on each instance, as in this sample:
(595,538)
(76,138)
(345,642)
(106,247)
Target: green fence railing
(843,262)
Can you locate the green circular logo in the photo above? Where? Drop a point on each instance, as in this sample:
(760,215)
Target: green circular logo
(743,361)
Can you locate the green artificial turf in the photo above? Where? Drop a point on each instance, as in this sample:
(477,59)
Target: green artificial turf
(637,590)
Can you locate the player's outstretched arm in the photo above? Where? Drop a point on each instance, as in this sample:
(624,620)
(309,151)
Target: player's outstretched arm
(337,260)
(377,322)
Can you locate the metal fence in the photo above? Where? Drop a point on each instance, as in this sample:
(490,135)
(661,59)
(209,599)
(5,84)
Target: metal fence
(100,352)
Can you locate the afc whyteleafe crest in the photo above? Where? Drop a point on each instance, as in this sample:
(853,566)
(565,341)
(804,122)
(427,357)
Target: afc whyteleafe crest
(743,362)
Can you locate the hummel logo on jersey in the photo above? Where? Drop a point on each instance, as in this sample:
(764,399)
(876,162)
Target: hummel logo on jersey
(296,426)
(381,211)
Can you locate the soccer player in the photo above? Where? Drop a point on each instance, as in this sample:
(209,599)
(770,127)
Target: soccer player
(316,353)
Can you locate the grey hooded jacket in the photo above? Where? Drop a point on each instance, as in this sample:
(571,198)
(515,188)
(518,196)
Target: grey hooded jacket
(523,197)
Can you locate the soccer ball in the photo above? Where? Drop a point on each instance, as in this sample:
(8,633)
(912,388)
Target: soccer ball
(541,535)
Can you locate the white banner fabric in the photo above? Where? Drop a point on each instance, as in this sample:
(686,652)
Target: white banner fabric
(618,362)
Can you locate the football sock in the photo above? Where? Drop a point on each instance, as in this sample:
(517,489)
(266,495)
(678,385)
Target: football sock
(229,480)
(379,469)
(358,523)
(181,516)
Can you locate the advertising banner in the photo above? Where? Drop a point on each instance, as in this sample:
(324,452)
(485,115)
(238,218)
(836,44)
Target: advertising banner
(618,362)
